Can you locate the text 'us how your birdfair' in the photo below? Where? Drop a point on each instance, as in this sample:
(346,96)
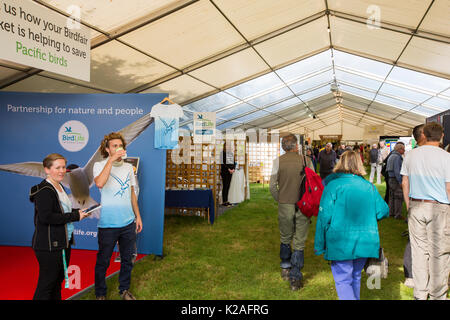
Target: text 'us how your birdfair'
(75,110)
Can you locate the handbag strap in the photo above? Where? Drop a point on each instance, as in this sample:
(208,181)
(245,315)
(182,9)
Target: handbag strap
(304,166)
(380,250)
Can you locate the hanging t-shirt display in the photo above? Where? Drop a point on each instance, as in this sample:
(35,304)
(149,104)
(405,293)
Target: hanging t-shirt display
(166,125)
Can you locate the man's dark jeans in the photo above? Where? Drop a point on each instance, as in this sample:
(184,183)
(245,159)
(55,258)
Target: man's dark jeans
(107,239)
(395,198)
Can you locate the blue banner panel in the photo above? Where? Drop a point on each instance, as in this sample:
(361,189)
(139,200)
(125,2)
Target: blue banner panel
(33,125)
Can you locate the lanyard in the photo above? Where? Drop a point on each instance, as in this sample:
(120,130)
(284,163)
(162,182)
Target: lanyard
(66,276)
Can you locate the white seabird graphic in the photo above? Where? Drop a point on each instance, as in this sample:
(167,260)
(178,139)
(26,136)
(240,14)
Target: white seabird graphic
(80,180)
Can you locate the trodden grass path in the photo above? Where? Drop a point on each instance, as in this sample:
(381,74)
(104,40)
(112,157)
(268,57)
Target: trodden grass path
(238,258)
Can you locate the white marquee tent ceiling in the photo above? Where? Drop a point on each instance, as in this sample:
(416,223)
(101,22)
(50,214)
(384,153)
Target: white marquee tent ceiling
(265,63)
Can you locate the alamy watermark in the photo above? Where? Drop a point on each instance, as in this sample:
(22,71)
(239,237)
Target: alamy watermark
(188,150)
(374,19)
(374,281)
(73,22)
(74,273)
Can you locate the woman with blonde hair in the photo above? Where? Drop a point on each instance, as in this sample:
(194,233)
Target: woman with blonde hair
(53,235)
(347,230)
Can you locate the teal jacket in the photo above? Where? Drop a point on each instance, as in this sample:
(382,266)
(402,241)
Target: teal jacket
(347,226)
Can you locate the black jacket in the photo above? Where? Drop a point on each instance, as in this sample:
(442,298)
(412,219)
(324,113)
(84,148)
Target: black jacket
(50,221)
(225,166)
(327,161)
(374,155)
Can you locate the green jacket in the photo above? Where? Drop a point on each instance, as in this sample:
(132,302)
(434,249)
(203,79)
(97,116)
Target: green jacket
(347,226)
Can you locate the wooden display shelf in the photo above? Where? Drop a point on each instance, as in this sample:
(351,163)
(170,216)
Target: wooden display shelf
(202,170)
(261,156)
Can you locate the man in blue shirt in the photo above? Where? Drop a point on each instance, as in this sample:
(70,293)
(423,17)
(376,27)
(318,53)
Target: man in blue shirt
(393,167)
(407,260)
(120,219)
(426,187)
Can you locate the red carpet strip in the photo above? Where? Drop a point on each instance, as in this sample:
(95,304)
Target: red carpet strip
(19,271)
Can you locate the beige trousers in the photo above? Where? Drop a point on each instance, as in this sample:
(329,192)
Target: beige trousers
(447,237)
(428,225)
(293,226)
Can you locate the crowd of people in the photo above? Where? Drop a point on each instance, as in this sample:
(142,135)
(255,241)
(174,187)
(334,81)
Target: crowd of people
(346,230)
(326,156)
(347,234)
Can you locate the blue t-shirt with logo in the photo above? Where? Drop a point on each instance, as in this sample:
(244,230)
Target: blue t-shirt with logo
(166,125)
(428,171)
(116,211)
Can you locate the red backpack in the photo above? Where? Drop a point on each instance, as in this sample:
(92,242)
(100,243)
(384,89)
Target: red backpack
(311,190)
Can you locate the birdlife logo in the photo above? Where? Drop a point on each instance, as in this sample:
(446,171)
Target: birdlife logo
(73,136)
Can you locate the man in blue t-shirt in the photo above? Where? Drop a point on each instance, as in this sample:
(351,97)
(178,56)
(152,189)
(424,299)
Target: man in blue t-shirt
(426,189)
(120,219)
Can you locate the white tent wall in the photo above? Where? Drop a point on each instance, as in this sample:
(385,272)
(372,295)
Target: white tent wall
(351,132)
(348,131)
(334,129)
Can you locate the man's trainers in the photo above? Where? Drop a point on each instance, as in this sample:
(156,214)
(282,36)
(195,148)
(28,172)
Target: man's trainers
(285,273)
(100,298)
(409,282)
(296,284)
(126,295)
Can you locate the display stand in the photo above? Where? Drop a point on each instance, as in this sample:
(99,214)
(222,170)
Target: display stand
(261,156)
(200,170)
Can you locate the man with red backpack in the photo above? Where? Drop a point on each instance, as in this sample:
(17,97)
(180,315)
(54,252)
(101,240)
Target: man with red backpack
(285,182)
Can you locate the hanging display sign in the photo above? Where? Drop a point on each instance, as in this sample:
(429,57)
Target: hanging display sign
(35,36)
(204,127)
(336,137)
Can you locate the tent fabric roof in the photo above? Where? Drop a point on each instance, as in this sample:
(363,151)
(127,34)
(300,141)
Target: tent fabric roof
(264,63)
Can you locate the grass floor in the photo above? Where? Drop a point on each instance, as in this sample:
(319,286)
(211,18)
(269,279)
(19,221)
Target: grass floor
(238,258)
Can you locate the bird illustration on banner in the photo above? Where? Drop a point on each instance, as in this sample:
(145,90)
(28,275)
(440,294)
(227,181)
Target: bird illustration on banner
(80,179)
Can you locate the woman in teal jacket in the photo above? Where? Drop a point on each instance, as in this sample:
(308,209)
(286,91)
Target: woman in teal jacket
(347,229)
